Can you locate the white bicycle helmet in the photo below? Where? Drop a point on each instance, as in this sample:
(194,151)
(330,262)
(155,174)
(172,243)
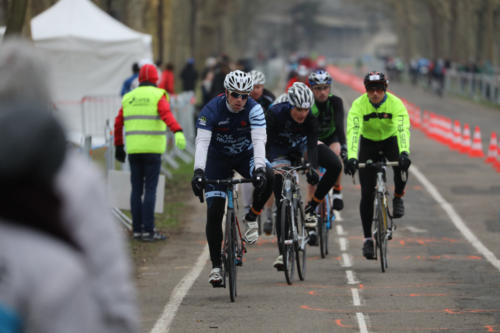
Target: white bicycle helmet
(238,81)
(300,96)
(258,77)
(281,98)
(320,77)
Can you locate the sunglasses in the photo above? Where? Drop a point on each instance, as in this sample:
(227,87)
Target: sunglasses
(234,94)
(319,88)
(375,89)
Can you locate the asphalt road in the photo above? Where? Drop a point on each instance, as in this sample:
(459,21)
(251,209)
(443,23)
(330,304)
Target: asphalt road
(440,278)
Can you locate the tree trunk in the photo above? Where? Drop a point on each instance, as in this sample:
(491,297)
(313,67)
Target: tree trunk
(15,17)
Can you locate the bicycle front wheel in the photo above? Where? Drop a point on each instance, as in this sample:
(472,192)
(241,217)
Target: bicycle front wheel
(230,244)
(287,236)
(382,232)
(300,245)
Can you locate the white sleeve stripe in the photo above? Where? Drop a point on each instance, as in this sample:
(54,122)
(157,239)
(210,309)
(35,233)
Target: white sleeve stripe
(256,116)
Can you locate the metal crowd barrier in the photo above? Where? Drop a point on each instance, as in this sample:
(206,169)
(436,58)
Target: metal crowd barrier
(97,124)
(476,86)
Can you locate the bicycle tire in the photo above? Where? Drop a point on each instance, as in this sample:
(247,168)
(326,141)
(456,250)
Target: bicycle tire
(301,245)
(382,232)
(287,249)
(230,255)
(322,230)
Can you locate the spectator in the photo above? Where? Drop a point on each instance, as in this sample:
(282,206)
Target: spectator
(167,79)
(145,113)
(220,73)
(63,262)
(208,76)
(127,84)
(189,75)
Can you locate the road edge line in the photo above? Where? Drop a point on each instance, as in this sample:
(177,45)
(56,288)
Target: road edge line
(456,219)
(163,323)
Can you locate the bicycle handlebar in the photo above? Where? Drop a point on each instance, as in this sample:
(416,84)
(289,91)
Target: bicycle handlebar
(379,163)
(288,168)
(228,181)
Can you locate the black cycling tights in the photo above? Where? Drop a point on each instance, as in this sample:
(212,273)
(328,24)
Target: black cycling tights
(328,160)
(215,214)
(370,150)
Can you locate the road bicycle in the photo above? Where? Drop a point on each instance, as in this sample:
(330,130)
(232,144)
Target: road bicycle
(294,236)
(326,217)
(233,245)
(383,224)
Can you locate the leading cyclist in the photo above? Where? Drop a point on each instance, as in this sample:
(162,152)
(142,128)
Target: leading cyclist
(231,136)
(377,122)
(291,129)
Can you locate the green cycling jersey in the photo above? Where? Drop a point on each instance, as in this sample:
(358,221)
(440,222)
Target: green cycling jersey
(377,124)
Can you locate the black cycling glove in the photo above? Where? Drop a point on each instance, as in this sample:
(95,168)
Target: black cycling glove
(120,153)
(404,161)
(312,176)
(259,178)
(198,183)
(351,166)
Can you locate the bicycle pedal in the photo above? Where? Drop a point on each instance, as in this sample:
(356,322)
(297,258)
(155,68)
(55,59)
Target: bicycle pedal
(288,242)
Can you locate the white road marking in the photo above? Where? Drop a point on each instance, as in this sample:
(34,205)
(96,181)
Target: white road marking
(355,297)
(351,279)
(343,244)
(338,217)
(361,322)
(163,323)
(346,260)
(415,230)
(456,219)
(340,230)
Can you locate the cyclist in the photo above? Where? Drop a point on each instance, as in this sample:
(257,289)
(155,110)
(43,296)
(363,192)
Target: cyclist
(329,109)
(231,135)
(291,128)
(377,122)
(260,94)
(265,98)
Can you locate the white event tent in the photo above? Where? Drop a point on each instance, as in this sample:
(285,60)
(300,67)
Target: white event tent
(89,54)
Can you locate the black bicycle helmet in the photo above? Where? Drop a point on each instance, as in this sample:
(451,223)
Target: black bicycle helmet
(375,79)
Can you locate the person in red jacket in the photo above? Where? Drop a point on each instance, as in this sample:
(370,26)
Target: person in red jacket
(145,112)
(167,79)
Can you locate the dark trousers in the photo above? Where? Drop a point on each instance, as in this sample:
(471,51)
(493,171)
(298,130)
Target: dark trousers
(144,174)
(374,150)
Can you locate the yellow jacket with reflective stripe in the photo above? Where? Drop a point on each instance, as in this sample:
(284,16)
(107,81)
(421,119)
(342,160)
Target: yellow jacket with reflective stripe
(145,131)
(377,124)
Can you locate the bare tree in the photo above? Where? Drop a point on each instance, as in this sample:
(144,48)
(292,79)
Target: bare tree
(15,17)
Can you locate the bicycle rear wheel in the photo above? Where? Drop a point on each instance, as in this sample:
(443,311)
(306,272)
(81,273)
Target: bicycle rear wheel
(230,244)
(300,246)
(382,232)
(287,236)
(322,231)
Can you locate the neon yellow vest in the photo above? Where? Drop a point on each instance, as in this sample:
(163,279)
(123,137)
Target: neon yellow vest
(145,132)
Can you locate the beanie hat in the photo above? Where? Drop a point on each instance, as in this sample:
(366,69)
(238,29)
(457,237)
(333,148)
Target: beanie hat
(148,73)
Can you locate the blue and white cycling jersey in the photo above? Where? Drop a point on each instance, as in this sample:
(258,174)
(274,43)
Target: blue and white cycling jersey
(286,137)
(230,130)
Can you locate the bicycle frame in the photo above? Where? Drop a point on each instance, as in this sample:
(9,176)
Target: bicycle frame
(384,226)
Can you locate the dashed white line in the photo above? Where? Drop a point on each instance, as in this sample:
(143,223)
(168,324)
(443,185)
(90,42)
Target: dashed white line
(361,322)
(355,297)
(343,244)
(340,230)
(181,289)
(346,260)
(456,219)
(351,279)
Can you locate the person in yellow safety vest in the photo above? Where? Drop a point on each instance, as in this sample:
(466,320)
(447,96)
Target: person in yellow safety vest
(145,112)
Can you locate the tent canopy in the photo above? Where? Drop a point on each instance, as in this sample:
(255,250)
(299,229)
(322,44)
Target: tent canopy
(89,53)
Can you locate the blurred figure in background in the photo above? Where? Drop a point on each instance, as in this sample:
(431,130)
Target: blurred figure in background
(167,79)
(221,70)
(64,266)
(207,78)
(127,84)
(302,76)
(189,75)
